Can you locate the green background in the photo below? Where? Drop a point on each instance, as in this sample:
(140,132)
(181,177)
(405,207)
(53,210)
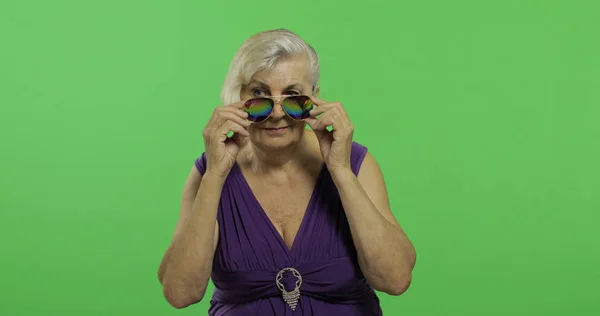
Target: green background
(484,115)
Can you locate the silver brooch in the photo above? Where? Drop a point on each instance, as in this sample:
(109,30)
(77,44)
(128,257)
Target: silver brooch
(291,298)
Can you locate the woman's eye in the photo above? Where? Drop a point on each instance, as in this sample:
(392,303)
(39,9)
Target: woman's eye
(292,92)
(258,92)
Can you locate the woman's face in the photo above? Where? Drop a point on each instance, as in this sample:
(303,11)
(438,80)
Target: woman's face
(288,77)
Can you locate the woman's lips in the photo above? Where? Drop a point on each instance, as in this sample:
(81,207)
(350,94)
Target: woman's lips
(276,130)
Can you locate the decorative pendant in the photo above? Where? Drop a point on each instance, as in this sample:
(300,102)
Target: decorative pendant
(291,297)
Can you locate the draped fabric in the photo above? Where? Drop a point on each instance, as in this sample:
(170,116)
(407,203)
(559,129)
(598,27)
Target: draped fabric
(251,253)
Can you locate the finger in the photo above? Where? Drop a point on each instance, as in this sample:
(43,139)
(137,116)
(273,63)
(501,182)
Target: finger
(215,119)
(340,116)
(324,108)
(319,132)
(232,109)
(334,119)
(322,122)
(237,139)
(233,127)
(237,105)
(229,116)
(318,101)
(311,122)
(317,111)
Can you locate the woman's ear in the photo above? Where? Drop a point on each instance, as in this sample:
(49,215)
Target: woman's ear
(316,91)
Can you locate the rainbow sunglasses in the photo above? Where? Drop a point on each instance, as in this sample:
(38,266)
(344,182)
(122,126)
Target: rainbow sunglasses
(296,107)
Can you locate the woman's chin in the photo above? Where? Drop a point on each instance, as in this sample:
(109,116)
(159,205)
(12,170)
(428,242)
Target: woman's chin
(275,144)
(277,139)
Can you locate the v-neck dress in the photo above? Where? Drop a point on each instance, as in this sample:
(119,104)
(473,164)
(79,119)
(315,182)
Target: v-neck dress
(251,253)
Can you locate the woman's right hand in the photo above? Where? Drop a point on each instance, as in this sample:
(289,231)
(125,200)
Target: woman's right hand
(221,151)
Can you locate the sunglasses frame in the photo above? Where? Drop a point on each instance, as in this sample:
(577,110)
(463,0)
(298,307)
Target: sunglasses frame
(281,100)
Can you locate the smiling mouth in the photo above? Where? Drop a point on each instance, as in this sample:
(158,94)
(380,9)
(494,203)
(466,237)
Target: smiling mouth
(276,128)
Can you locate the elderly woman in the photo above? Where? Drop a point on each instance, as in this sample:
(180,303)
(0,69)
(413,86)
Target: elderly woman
(283,219)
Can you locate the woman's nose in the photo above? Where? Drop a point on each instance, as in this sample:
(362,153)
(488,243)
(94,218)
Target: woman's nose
(277,109)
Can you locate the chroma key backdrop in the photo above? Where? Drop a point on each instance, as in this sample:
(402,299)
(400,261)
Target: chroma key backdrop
(484,117)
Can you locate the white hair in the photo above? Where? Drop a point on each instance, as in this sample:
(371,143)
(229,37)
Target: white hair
(262,51)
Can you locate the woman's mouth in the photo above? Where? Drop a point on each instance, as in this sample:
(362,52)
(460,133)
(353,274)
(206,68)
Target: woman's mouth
(276,130)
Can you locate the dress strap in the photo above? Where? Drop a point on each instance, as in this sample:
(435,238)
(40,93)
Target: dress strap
(201,163)
(357,155)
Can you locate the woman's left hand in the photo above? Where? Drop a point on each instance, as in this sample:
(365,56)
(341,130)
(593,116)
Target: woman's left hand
(335,145)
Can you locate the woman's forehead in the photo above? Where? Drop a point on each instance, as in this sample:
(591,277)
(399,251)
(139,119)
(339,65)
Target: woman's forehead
(272,84)
(283,74)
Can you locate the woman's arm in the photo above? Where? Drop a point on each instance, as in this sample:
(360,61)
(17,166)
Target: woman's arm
(187,264)
(385,254)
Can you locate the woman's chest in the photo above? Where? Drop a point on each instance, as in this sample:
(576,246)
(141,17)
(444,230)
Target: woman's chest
(285,207)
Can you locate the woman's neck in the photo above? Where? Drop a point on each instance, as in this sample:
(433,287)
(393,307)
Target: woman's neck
(291,158)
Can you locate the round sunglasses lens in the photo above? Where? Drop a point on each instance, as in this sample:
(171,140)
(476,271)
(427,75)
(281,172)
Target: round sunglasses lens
(258,109)
(297,107)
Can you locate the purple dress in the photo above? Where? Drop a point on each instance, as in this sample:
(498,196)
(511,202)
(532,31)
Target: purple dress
(251,253)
